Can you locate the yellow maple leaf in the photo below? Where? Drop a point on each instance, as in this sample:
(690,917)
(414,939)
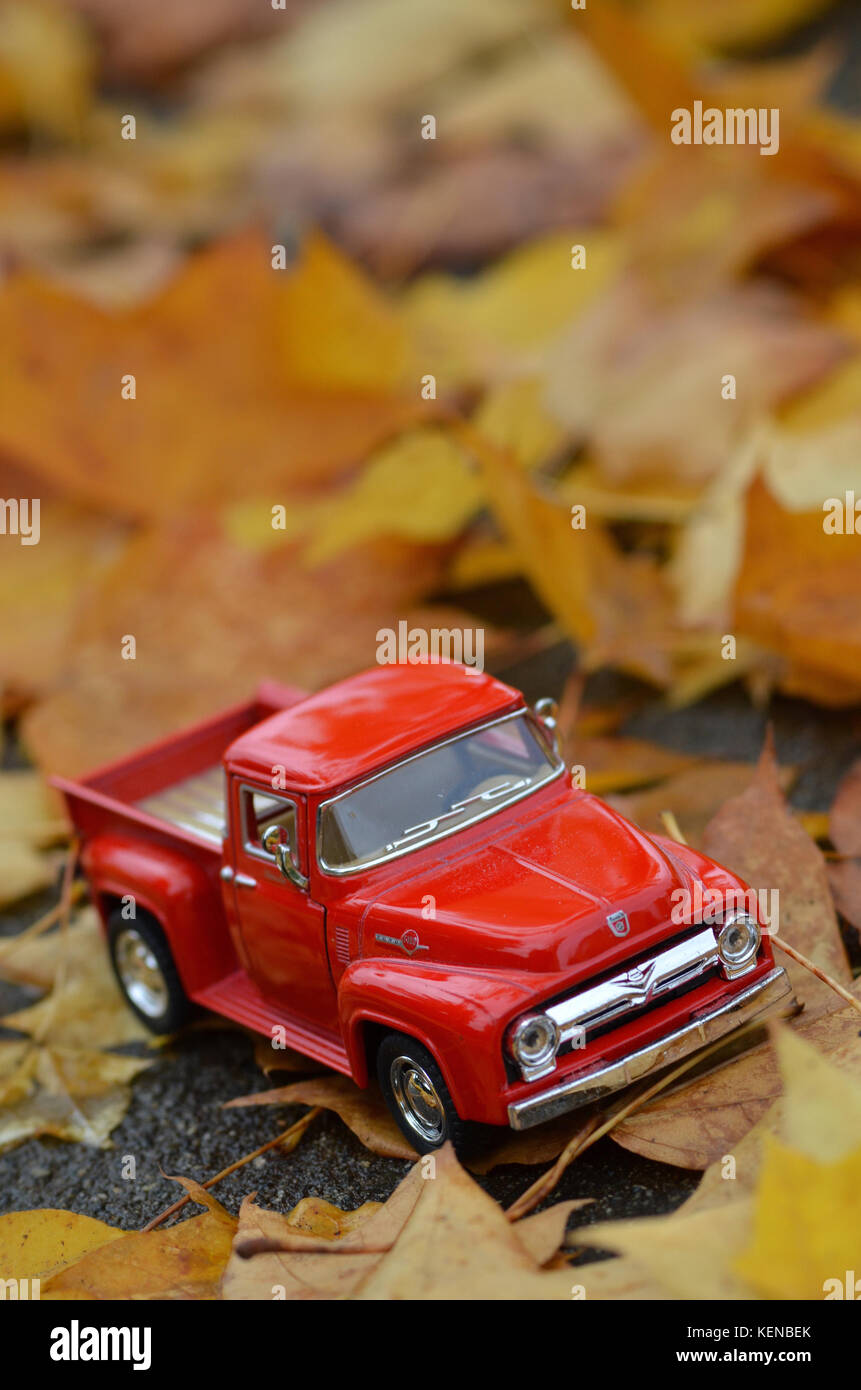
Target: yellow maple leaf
(807,1224)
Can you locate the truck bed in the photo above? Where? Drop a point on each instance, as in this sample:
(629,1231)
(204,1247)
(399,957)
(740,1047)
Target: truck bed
(195,805)
(174,788)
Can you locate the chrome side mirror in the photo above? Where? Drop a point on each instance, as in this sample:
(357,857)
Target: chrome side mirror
(276,842)
(546,712)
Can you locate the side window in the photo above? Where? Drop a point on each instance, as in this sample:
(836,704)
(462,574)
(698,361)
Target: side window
(259,811)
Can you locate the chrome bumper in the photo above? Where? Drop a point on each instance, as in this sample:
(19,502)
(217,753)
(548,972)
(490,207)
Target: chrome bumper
(585,1087)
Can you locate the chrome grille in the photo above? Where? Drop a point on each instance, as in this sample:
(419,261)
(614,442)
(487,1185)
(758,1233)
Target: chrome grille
(636,987)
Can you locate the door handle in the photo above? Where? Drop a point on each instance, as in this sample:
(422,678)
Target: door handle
(241,880)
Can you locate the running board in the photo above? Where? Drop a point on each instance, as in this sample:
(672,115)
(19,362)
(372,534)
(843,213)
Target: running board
(237,997)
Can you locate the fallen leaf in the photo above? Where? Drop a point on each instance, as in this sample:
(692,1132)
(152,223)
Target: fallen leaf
(458,1245)
(209,624)
(272,1257)
(29,810)
(22,871)
(693,795)
(68,416)
(38,1244)
(755,835)
(184,1262)
(67,1093)
(695,1125)
(845,832)
(84,1008)
(363,1111)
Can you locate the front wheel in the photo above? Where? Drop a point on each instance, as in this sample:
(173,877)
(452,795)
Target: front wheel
(146,973)
(416,1094)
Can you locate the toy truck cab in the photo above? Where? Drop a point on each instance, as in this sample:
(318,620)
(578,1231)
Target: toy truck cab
(396,874)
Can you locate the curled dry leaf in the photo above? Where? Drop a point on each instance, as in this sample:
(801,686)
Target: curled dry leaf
(789,1220)
(63,1092)
(184,1262)
(694,1125)
(85,1008)
(845,831)
(756,835)
(459,1245)
(693,795)
(364,1112)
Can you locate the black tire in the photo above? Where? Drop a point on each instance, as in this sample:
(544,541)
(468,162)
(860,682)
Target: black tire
(162,1010)
(397,1054)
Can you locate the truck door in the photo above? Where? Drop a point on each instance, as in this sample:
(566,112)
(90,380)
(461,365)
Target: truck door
(283,930)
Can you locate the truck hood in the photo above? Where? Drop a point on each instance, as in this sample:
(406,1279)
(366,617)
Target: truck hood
(540,897)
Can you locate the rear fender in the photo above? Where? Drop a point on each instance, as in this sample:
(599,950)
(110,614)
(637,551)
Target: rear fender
(177,892)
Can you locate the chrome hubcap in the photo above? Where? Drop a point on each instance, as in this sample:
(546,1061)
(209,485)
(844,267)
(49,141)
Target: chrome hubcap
(141,975)
(417,1100)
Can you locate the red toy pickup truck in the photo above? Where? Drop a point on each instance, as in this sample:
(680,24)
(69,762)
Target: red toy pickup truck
(397,875)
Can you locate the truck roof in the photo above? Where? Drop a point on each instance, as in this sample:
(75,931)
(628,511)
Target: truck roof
(370,720)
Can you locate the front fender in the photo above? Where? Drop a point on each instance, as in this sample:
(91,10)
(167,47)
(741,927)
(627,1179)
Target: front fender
(175,890)
(458,1014)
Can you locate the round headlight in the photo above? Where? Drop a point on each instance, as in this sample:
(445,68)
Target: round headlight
(534,1040)
(738,941)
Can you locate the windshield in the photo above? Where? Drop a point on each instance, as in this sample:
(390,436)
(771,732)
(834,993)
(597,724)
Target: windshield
(434,794)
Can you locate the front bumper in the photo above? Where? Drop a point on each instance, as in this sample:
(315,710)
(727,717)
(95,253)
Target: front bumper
(763,997)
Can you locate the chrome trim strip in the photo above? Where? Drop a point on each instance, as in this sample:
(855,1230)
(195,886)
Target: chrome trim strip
(521,713)
(583,1088)
(277,799)
(636,986)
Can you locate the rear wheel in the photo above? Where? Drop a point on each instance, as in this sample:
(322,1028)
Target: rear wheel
(146,973)
(416,1094)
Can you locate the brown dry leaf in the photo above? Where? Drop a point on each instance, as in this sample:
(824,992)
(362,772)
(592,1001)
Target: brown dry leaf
(43,587)
(363,1111)
(686,1255)
(67,1093)
(787,1213)
(22,871)
(694,796)
(797,593)
(619,764)
(141,45)
(696,1124)
(210,620)
(271,1059)
(615,606)
(206,397)
(756,836)
(458,1245)
(184,1262)
(38,1244)
(320,1218)
(366,1114)
(648,374)
(272,1257)
(463,207)
(85,1009)
(30,810)
(845,831)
